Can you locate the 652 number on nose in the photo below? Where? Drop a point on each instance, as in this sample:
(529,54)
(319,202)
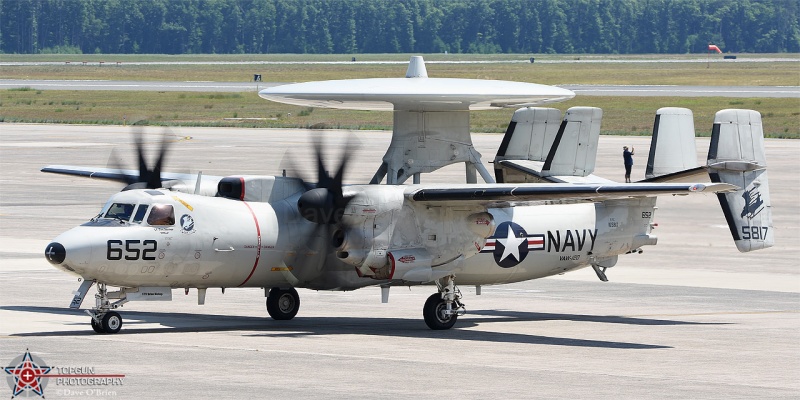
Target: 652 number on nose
(131,250)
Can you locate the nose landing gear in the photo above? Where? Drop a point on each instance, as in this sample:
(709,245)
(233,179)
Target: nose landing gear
(103,319)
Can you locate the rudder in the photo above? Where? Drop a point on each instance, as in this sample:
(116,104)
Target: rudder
(672,146)
(736,156)
(541,147)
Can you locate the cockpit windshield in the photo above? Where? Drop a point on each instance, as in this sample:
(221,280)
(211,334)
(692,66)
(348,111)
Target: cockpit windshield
(115,213)
(161,214)
(120,211)
(140,212)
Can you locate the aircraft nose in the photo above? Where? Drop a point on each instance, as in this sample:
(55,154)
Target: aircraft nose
(71,251)
(55,253)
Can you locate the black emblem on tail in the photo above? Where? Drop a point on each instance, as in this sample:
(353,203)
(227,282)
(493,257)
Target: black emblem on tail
(752,203)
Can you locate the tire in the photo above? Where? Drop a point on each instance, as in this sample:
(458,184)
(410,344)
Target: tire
(97,327)
(112,322)
(433,310)
(283,304)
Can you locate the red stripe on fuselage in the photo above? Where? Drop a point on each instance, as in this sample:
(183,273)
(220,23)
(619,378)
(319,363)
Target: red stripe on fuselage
(258,232)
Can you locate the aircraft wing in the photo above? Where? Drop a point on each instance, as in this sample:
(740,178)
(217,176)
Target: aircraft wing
(117,175)
(496,194)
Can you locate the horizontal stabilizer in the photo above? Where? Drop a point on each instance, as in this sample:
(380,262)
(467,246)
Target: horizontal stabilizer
(534,169)
(696,174)
(736,156)
(672,147)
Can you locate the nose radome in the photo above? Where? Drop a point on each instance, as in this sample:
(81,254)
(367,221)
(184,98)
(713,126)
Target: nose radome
(55,253)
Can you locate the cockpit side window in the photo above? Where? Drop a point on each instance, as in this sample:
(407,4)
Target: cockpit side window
(140,212)
(161,214)
(120,211)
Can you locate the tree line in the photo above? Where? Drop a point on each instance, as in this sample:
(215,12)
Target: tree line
(397,26)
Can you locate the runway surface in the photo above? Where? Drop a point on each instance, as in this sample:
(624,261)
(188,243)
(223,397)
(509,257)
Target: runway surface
(688,318)
(583,90)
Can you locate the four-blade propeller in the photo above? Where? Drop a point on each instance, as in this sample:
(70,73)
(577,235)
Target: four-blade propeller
(148,178)
(325,202)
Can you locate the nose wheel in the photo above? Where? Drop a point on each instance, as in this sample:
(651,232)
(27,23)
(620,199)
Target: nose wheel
(110,322)
(103,319)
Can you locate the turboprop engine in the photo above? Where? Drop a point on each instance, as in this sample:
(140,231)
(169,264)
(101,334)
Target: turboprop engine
(385,238)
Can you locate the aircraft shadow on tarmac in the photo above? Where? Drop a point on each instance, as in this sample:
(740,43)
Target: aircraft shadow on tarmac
(399,327)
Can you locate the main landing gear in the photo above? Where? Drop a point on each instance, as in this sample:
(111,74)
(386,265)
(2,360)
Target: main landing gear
(442,309)
(103,319)
(283,304)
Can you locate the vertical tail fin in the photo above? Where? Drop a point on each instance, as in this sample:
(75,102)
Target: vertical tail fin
(530,134)
(574,150)
(540,147)
(736,156)
(672,147)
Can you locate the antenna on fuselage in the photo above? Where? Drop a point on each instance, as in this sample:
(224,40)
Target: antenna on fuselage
(197,185)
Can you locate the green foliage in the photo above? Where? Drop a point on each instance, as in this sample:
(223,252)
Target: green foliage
(61,49)
(397,26)
(221,96)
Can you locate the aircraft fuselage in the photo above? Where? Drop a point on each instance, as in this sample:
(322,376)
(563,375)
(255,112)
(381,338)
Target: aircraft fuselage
(218,242)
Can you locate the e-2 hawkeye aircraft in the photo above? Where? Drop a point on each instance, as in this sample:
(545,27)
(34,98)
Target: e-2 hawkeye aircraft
(543,213)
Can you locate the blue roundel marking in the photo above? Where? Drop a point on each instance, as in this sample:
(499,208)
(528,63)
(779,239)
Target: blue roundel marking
(511,244)
(187,222)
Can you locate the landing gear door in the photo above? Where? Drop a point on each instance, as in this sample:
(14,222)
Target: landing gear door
(80,294)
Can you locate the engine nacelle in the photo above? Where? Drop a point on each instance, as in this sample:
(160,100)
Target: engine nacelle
(386,238)
(258,188)
(412,265)
(480,223)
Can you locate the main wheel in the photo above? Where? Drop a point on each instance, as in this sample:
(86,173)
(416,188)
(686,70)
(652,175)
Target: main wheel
(434,313)
(283,304)
(97,327)
(112,322)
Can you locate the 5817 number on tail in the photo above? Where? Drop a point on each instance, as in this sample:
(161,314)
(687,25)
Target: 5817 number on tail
(754,232)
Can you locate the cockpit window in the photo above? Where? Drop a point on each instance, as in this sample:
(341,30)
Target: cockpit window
(120,211)
(161,214)
(140,212)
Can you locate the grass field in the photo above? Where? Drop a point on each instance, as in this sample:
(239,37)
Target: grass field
(622,115)
(511,67)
